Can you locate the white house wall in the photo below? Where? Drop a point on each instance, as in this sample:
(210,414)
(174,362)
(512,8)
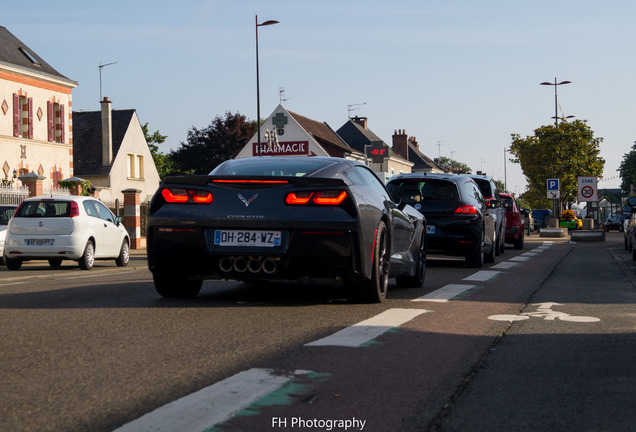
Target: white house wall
(35,154)
(134,142)
(295,141)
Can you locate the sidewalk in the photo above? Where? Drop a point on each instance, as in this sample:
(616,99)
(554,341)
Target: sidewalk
(568,370)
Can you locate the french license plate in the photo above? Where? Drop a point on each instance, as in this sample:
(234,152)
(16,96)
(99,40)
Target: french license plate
(430,229)
(39,242)
(247,238)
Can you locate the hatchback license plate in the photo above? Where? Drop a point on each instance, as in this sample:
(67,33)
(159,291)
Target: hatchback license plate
(247,238)
(40,242)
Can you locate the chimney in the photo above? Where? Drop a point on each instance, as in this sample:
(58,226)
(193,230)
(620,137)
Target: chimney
(413,142)
(107,133)
(362,121)
(400,143)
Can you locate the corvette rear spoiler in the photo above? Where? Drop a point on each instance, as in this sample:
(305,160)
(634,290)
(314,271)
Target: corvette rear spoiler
(204,180)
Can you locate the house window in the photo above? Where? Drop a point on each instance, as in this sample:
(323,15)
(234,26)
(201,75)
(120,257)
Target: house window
(22,116)
(135,166)
(55,117)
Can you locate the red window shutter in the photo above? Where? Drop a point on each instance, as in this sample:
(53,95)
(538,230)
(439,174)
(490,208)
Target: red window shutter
(30,103)
(16,115)
(50,118)
(62,123)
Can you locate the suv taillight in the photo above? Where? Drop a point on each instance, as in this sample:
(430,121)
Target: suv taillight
(466,210)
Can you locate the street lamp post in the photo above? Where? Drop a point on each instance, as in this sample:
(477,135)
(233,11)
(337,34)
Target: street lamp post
(258,96)
(556,104)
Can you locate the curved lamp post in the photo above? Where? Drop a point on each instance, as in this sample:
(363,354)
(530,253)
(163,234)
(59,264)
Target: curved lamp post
(556,104)
(258,96)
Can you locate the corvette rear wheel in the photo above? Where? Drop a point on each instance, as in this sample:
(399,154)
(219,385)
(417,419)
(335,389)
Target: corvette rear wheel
(374,289)
(171,286)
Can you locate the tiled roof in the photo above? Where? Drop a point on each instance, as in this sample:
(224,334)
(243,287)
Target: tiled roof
(87,139)
(15,53)
(324,135)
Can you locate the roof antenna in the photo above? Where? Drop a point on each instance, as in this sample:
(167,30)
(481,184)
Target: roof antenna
(350,108)
(281,92)
(101,66)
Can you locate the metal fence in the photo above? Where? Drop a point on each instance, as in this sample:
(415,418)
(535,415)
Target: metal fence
(58,191)
(14,195)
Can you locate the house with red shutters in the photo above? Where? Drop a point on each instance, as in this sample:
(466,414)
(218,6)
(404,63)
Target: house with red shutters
(36,124)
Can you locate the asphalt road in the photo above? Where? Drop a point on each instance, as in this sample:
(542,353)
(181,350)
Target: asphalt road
(96,350)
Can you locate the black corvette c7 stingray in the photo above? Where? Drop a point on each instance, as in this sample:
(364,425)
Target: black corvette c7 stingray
(284,218)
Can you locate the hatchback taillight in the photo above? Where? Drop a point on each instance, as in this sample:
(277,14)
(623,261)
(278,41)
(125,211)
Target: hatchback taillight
(74,209)
(332,197)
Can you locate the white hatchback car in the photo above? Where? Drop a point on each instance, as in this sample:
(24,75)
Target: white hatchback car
(65,228)
(6,213)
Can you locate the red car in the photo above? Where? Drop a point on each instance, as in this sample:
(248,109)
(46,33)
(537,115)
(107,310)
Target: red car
(515,222)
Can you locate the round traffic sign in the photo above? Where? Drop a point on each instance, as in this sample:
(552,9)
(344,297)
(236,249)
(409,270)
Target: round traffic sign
(587,191)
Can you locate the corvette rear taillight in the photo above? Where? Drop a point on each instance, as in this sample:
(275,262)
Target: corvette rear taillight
(201,197)
(180,195)
(298,197)
(74,209)
(330,197)
(317,198)
(466,210)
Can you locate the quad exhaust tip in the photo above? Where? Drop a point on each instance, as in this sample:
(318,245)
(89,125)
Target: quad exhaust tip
(252,264)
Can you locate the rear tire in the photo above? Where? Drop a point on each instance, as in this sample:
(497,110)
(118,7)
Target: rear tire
(87,260)
(520,241)
(476,258)
(13,264)
(374,290)
(416,281)
(124,255)
(171,286)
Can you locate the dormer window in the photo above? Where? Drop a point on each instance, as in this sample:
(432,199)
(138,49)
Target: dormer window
(30,56)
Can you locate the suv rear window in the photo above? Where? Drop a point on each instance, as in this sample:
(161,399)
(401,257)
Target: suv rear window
(429,189)
(44,209)
(485,187)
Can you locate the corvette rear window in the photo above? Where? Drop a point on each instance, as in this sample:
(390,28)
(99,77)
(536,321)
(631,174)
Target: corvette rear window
(45,209)
(300,167)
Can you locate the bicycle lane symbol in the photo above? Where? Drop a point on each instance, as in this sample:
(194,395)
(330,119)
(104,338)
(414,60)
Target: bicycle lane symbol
(544,310)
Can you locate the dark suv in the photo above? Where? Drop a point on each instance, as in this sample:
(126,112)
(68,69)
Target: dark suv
(457,218)
(493,199)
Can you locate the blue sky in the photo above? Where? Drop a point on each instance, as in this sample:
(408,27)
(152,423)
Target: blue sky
(460,76)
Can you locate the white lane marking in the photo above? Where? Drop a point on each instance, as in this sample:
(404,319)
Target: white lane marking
(519,259)
(12,283)
(211,405)
(529,254)
(482,275)
(504,265)
(445,293)
(364,331)
(100,274)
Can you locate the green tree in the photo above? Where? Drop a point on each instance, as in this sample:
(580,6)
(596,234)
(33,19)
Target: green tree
(627,170)
(206,148)
(563,151)
(163,162)
(454,166)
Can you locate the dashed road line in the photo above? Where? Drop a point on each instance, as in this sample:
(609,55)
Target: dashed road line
(364,331)
(482,275)
(212,405)
(445,293)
